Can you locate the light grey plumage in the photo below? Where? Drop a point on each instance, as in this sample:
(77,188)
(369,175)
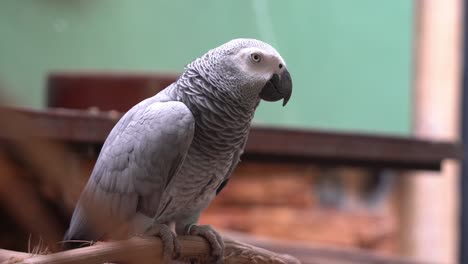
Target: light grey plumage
(170,154)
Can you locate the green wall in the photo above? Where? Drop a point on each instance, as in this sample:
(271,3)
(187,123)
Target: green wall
(350,60)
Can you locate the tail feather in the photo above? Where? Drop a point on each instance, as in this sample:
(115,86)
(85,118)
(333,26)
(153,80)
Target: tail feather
(80,233)
(71,242)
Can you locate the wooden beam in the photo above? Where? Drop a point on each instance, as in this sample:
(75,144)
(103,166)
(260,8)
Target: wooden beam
(265,143)
(429,204)
(348,148)
(83,90)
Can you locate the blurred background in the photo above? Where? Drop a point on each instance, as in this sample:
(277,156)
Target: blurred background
(346,57)
(377,103)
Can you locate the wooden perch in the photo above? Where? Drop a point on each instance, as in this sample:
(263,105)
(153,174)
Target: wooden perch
(148,250)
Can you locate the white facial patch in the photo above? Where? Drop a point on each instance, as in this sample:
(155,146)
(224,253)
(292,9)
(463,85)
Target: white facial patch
(265,68)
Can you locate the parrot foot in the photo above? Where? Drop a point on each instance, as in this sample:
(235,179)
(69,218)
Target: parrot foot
(171,246)
(214,239)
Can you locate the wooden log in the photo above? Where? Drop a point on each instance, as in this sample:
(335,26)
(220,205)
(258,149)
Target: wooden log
(149,250)
(10,256)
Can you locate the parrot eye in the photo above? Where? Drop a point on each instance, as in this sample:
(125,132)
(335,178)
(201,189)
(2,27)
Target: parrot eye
(255,57)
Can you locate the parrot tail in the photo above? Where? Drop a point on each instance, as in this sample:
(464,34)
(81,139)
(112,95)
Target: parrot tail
(80,233)
(72,241)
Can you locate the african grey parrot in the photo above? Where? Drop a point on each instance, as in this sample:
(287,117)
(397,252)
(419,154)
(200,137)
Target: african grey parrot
(171,154)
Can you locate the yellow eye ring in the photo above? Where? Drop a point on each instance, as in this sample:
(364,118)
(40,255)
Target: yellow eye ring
(255,57)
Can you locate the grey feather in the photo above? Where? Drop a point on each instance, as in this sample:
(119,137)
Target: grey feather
(139,158)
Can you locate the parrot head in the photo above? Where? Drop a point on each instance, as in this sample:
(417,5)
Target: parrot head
(246,68)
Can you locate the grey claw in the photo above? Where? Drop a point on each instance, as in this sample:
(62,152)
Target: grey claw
(171,246)
(214,239)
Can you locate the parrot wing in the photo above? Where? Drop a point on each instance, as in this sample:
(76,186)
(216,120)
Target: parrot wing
(140,156)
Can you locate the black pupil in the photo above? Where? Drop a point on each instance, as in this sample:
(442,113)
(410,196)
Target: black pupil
(256,57)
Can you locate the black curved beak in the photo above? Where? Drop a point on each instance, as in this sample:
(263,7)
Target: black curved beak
(278,87)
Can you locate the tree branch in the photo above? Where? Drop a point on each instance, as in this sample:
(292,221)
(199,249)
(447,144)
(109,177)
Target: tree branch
(149,250)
